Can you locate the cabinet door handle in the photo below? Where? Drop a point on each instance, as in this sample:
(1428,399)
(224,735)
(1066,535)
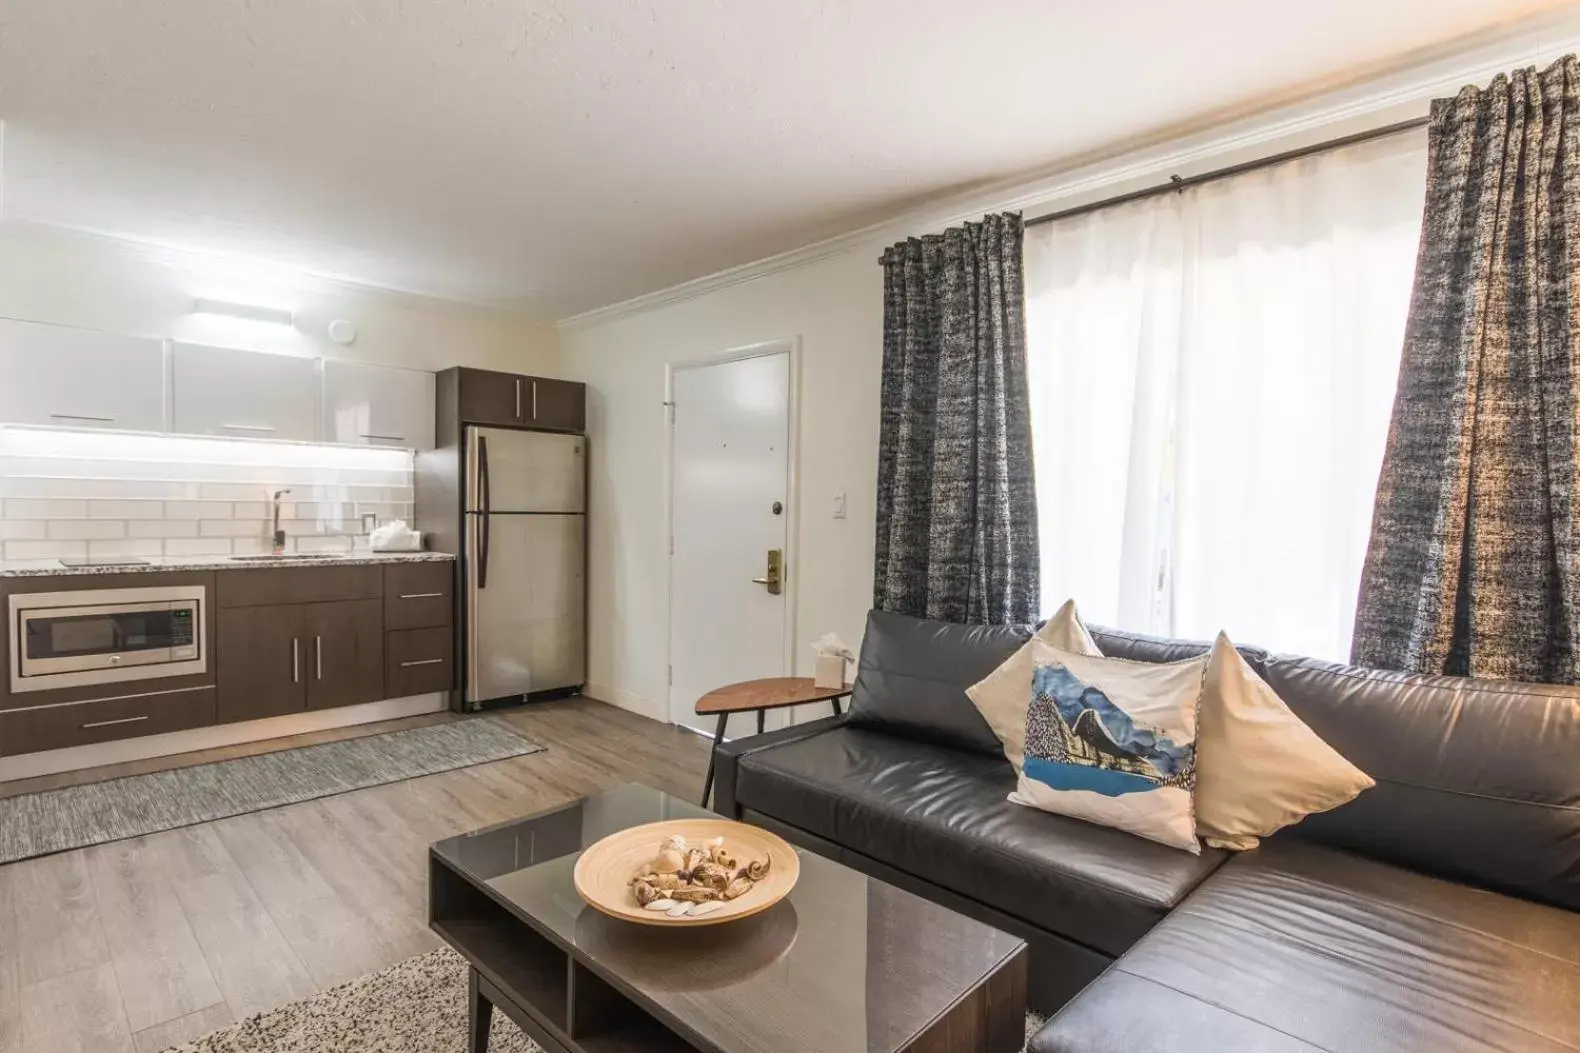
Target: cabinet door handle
(534,400)
(82,416)
(248,427)
(296,664)
(111,723)
(422,661)
(384,438)
(318,656)
(518,398)
(420,595)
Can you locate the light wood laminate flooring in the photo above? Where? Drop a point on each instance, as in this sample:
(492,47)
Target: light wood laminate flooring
(144,943)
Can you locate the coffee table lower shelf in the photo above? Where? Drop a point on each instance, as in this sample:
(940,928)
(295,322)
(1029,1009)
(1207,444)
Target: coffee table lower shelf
(555,1000)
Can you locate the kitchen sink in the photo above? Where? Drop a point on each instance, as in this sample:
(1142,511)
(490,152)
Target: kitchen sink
(288,555)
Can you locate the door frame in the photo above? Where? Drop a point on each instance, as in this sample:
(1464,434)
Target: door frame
(791,348)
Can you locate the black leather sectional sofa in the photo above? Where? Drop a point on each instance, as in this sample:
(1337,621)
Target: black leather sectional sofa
(1438,911)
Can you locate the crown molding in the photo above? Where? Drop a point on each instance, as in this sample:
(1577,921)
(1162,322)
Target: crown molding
(1373,99)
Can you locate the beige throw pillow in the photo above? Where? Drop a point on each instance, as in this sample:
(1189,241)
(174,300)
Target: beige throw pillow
(1259,767)
(1003,696)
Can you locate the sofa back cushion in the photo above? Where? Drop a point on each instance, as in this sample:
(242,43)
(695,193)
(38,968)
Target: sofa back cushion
(1477,780)
(913,673)
(1139,647)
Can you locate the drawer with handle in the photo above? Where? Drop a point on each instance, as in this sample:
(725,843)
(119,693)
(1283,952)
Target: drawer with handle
(417,661)
(105,719)
(418,595)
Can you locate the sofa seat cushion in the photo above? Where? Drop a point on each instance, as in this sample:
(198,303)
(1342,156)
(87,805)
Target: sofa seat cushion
(942,815)
(1301,947)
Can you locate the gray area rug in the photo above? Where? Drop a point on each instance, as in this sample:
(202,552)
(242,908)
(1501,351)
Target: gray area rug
(418,1006)
(37,824)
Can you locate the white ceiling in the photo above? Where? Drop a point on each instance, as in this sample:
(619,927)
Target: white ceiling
(557,155)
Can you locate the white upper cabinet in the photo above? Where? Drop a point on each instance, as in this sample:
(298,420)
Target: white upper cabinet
(377,405)
(52,374)
(219,391)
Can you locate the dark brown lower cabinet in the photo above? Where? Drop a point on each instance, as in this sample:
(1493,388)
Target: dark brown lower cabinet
(293,657)
(261,671)
(345,644)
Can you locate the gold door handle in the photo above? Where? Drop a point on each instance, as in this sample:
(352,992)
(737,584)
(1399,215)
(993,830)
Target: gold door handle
(775,572)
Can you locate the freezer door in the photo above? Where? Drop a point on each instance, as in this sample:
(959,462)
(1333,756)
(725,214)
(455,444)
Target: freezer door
(525,471)
(526,621)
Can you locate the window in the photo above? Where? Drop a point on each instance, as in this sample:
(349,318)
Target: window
(1212,376)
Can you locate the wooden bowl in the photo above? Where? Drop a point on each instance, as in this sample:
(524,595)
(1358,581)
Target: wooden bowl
(604,871)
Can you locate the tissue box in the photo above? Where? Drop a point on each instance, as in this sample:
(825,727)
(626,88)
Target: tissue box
(830,671)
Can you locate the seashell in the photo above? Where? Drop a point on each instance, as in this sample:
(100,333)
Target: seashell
(757,869)
(644,893)
(739,887)
(673,843)
(664,882)
(660,904)
(694,859)
(711,875)
(669,861)
(694,893)
(705,907)
(680,910)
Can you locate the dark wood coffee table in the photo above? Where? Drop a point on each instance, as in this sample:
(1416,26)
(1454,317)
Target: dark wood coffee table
(844,964)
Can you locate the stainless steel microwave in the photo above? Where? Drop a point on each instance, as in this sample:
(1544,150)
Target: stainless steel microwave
(105,636)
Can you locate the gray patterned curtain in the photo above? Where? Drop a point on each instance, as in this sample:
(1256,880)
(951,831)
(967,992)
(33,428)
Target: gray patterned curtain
(1472,567)
(957,507)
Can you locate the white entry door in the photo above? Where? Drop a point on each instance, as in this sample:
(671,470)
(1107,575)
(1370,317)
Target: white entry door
(730,498)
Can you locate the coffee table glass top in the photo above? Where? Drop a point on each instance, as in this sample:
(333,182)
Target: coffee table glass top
(844,964)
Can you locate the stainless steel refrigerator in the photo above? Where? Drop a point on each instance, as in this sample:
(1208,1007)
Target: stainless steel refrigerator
(525,502)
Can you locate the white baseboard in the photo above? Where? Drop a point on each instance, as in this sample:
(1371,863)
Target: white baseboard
(626,700)
(30,765)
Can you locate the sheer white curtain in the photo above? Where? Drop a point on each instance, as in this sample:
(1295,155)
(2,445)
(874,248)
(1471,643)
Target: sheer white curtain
(1212,374)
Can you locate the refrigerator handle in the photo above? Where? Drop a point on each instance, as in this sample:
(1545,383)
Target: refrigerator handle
(482,474)
(484,499)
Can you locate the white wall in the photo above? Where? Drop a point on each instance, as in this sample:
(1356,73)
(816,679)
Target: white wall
(68,278)
(830,296)
(834,308)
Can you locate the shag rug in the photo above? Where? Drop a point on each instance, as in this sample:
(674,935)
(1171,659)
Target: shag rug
(418,1006)
(36,824)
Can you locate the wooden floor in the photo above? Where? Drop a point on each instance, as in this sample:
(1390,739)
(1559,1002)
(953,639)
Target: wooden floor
(141,944)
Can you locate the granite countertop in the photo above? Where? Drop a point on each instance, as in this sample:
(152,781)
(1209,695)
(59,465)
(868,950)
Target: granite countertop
(45,568)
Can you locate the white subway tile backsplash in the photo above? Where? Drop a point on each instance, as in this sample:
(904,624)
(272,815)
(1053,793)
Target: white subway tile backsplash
(75,494)
(158,528)
(45,549)
(126,510)
(230,528)
(324,544)
(197,509)
(85,529)
(20,508)
(23,530)
(198,546)
(127,547)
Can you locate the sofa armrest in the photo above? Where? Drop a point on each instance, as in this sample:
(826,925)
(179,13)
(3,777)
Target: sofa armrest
(727,754)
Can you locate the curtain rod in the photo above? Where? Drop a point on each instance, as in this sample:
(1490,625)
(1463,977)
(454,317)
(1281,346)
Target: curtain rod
(1176,183)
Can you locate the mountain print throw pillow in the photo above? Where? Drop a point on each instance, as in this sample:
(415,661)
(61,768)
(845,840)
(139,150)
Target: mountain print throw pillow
(1113,742)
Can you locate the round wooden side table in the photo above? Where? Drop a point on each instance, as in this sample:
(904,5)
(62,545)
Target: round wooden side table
(776,692)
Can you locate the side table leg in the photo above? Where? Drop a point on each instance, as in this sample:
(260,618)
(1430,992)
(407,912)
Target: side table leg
(835,703)
(761,713)
(481,1013)
(718,737)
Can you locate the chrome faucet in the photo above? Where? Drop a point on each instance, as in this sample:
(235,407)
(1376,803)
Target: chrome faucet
(278,541)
